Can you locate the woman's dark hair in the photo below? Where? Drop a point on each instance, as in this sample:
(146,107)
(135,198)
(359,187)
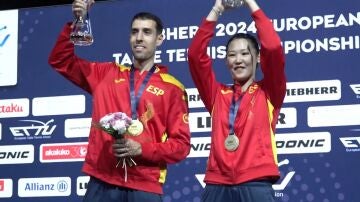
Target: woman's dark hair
(250,38)
(149,16)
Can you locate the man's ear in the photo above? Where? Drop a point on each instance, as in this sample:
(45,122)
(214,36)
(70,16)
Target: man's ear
(159,40)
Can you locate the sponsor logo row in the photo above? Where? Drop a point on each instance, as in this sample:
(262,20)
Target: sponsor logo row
(306,91)
(287,143)
(320,116)
(317,116)
(61,186)
(42,106)
(35,129)
(43,187)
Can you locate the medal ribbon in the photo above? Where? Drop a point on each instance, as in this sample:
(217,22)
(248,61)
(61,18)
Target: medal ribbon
(134,100)
(233,111)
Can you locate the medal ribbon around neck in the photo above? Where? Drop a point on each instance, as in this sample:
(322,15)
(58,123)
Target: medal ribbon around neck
(232,141)
(233,111)
(134,100)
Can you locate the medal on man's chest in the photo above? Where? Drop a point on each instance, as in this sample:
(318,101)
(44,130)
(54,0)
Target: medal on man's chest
(136,128)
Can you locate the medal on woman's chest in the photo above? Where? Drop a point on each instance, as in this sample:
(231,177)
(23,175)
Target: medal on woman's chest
(136,127)
(232,142)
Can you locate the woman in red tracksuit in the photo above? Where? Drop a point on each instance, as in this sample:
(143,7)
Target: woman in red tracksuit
(243,162)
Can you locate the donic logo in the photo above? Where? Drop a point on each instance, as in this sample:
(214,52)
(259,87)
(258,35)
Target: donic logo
(3,39)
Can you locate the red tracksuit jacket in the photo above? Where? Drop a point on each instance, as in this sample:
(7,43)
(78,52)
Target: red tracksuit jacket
(162,109)
(255,121)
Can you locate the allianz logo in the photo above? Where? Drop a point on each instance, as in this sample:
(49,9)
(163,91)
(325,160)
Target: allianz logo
(61,186)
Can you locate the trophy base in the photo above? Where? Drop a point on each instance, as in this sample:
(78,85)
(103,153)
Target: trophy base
(81,39)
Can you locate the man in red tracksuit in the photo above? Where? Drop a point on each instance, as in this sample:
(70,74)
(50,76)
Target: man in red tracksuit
(160,105)
(243,162)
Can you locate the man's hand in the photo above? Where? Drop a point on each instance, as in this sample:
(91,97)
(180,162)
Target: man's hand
(126,147)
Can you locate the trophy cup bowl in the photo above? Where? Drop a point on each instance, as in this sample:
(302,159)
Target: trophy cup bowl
(81,34)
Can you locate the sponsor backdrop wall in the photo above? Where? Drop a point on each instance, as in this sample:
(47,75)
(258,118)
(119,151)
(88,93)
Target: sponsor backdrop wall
(45,119)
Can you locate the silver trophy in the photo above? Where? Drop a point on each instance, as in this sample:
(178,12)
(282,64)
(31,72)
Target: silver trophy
(233,3)
(81,33)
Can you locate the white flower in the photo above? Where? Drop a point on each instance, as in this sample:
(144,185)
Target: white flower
(106,119)
(119,124)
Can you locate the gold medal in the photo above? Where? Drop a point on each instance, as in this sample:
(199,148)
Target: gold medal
(232,142)
(136,128)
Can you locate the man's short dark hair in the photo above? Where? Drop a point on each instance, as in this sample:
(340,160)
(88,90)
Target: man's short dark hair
(149,16)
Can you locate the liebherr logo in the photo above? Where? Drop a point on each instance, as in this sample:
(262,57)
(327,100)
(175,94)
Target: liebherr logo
(36,130)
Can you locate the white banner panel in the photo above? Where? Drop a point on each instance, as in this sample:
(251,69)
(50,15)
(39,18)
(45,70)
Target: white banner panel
(340,115)
(58,105)
(8,47)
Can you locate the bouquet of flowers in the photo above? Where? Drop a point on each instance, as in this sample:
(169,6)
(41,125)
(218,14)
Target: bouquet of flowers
(116,124)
